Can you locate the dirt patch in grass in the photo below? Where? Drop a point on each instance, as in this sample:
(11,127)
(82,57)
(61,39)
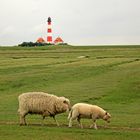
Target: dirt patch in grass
(75,126)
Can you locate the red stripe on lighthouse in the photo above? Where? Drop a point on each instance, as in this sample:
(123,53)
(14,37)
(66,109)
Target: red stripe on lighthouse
(49,23)
(49,30)
(49,39)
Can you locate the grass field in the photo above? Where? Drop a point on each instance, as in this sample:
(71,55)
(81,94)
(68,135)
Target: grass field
(108,76)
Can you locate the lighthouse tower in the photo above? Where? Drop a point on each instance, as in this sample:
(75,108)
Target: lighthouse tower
(49,32)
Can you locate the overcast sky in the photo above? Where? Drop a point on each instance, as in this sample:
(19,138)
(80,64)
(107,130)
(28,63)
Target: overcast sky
(78,22)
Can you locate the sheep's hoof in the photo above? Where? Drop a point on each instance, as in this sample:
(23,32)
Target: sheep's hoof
(58,124)
(21,124)
(95,128)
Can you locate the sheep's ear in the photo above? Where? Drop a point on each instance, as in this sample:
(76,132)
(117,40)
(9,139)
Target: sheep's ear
(65,102)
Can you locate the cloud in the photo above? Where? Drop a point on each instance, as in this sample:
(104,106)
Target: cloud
(76,21)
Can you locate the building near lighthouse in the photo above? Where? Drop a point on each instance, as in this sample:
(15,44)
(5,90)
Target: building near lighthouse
(58,40)
(40,40)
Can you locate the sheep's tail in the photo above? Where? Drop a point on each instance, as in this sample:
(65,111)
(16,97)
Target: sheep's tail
(18,111)
(70,114)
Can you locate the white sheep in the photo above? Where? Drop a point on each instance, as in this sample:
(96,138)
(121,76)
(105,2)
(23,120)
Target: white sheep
(41,103)
(83,110)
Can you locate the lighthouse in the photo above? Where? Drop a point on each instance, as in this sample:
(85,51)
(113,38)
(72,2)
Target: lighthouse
(49,32)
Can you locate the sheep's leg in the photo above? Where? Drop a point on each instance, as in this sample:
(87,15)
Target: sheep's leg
(94,125)
(43,117)
(70,122)
(22,119)
(94,122)
(56,121)
(72,117)
(80,124)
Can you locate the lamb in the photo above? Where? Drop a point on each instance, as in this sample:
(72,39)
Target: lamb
(83,110)
(41,103)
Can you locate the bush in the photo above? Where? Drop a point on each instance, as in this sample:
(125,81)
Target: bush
(33,44)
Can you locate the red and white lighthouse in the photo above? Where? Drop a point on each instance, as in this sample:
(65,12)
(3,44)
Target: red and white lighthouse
(49,32)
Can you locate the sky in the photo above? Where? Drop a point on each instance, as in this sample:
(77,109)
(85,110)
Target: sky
(77,22)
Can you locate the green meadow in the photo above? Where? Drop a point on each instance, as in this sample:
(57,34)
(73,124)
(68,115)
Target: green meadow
(108,76)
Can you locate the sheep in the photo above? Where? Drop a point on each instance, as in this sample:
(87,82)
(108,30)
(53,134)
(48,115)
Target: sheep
(83,110)
(41,103)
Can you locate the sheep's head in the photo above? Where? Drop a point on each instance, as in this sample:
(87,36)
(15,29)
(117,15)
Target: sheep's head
(63,105)
(107,117)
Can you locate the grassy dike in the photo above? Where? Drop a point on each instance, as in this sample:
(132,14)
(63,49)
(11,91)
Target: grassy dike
(108,76)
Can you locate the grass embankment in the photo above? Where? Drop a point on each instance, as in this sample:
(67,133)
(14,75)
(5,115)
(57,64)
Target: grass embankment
(109,77)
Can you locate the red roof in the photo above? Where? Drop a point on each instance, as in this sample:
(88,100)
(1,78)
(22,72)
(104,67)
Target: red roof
(58,40)
(40,40)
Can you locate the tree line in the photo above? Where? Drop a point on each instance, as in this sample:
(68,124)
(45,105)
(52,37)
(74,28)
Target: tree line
(36,44)
(33,44)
